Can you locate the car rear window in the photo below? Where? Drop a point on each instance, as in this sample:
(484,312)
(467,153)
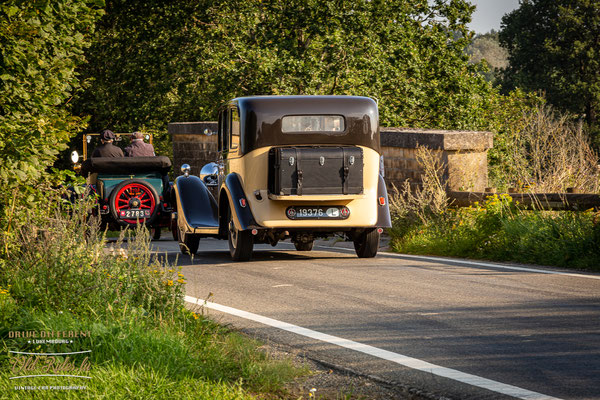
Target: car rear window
(313,123)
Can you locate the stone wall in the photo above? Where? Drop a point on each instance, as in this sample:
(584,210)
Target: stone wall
(463,154)
(191,145)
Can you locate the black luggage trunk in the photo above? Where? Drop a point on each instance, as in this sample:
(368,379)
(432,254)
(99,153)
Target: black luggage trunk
(315,170)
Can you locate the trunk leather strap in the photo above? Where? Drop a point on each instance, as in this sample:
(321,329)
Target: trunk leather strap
(298,172)
(345,172)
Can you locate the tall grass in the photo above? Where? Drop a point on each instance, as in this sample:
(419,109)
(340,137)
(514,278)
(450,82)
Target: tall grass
(60,276)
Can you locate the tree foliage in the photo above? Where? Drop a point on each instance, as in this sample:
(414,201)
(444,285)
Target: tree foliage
(154,62)
(41,44)
(554,47)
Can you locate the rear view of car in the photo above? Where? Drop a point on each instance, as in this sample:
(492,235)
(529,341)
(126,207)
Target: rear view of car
(294,167)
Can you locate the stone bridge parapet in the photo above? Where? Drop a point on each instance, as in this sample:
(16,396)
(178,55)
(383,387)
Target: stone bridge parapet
(463,153)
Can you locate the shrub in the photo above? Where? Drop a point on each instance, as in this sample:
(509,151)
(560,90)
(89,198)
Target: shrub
(544,151)
(42,42)
(60,262)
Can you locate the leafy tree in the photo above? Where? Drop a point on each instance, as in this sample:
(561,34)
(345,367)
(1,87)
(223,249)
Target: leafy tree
(160,61)
(41,44)
(554,47)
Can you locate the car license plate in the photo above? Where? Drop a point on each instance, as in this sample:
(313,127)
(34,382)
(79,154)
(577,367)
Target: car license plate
(133,214)
(317,212)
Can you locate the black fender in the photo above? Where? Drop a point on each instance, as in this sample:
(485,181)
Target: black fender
(242,215)
(383,211)
(195,204)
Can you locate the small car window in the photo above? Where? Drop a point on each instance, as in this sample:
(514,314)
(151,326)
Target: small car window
(223,130)
(312,123)
(235,128)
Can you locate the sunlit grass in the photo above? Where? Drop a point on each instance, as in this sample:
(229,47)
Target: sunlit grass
(144,343)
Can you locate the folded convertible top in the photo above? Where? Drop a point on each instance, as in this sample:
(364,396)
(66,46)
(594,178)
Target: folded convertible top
(125,165)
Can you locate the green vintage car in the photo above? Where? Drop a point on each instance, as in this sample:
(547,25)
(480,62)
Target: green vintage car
(130,190)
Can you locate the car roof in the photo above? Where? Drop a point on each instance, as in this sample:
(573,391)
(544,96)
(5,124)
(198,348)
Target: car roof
(309,104)
(261,117)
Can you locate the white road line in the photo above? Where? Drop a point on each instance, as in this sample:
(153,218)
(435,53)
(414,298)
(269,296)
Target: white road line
(406,361)
(475,263)
(283,285)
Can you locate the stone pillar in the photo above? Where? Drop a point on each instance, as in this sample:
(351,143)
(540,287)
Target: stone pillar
(463,155)
(192,145)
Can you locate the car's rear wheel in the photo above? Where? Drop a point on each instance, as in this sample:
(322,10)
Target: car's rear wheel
(134,201)
(304,246)
(366,244)
(241,243)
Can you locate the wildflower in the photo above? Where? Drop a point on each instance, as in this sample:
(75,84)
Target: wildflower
(169,282)
(195,315)
(180,274)
(171,270)
(183,282)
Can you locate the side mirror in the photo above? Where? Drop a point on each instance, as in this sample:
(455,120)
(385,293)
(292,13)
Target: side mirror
(185,169)
(75,157)
(209,174)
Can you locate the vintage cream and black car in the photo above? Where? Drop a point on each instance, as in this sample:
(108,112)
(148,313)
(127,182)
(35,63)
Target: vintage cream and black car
(297,167)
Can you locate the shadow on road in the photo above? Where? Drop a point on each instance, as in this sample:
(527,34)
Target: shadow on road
(223,257)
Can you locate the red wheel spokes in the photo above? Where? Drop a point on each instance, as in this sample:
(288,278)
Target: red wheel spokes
(130,191)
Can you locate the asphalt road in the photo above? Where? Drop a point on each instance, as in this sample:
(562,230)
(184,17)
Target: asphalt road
(536,331)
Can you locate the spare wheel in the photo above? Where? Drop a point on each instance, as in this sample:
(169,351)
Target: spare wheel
(133,201)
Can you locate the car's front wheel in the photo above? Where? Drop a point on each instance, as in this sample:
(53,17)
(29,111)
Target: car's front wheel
(188,242)
(241,243)
(366,244)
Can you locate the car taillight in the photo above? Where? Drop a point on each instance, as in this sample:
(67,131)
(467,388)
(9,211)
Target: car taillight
(382,201)
(243,202)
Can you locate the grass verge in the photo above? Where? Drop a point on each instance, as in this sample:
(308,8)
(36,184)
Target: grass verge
(121,317)
(139,356)
(499,230)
